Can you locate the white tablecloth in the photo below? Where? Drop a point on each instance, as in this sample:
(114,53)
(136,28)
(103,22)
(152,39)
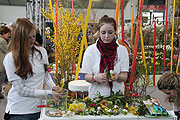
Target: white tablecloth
(117,117)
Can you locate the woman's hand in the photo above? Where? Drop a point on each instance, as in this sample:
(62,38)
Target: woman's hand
(56,88)
(115,76)
(56,95)
(101,78)
(122,77)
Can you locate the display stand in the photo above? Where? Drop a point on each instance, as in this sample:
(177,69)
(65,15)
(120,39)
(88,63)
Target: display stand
(129,116)
(78,86)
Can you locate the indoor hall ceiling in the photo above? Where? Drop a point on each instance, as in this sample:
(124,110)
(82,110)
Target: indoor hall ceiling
(97,4)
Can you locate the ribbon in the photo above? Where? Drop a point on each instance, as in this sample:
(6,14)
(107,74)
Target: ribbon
(136,44)
(154,53)
(178,63)
(172,36)
(143,54)
(165,37)
(122,21)
(84,39)
(132,23)
(55,29)
(117,11)
(56,50)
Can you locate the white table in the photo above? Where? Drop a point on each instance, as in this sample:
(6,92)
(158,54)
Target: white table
(104,117)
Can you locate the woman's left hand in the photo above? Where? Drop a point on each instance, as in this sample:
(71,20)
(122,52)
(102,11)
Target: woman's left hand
(122,77)
(115,76)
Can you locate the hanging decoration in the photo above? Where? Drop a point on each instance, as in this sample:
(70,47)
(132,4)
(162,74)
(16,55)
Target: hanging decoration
(154,60)
(165,37)
(55,29)
(117,11)
(56,49)
(72,6)
(143,55)
(177,67)
(132,22)
(122,21)
(84,39)
(74,62)
(172,35)
(136,44)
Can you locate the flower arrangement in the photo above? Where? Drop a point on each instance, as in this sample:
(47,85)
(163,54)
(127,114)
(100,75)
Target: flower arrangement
(115,104)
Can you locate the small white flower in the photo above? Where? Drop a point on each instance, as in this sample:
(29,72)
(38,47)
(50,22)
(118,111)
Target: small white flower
(109,110)
(111,71)
(115,106)
(124,110)
(98,108)
(97,112)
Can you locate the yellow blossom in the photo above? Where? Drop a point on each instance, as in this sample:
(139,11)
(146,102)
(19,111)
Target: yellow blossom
(80,106)
(77,107)
(157,63)
(86,98)
(72,107)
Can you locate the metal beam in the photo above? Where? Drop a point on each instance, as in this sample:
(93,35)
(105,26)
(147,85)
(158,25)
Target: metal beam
(33,13)
(8,2)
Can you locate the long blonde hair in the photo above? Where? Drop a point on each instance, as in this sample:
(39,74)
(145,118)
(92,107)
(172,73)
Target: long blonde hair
(19,46)
(171,81)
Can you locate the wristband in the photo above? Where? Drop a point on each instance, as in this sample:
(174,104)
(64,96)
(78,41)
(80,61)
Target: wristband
(93,78)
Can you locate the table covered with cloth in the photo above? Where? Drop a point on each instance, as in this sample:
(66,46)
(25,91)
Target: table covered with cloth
(104,117)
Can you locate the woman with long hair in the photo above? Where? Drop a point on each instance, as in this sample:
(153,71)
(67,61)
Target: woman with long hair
(24,67)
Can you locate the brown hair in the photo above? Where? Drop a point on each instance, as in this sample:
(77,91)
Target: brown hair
(19,47)
(4,30)
(106,19)
(171,81)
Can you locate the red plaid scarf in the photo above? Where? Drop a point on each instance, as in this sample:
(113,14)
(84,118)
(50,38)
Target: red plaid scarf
(108,55)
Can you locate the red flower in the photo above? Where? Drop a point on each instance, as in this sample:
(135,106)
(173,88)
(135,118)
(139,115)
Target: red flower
(128,88)
(92,105)
(134,95)
(105,101)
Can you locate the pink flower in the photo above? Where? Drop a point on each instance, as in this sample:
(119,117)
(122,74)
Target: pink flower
(169,63)
(176,57)
(49,69)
